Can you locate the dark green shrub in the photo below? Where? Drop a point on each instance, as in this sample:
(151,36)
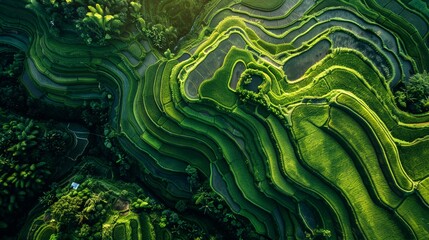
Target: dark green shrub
(413,95)
(119,232)
(134,229)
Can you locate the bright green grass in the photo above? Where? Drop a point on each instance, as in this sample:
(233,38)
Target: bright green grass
(294,170)
(423,190)
(414,164)
(327,158)
(380,136)
(416,215)
(353,137)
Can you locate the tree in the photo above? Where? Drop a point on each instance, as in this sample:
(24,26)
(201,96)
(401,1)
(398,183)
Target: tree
(55,142)
(18,136)
(19,182)
(66,210)
(162,37)
(193,178)
(101,22)
(413,95)
(11,64)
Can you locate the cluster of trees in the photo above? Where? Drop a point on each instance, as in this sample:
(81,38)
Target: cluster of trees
(78,213)
(109,149)
(98,21)
(10,63)
(27,157)
(12,95)
(19,137)
(23,139)
(413,95)
(29,149)
(95,116)
(83,213)
(179,227)
(210,204)
(95,113)
(19,182)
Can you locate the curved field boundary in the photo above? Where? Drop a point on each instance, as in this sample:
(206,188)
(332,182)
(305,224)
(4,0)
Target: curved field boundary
(266,6)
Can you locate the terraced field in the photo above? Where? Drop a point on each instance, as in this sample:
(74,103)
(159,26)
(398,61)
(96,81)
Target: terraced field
(287,108)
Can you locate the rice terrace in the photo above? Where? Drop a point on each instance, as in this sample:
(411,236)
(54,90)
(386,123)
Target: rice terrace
(214,119)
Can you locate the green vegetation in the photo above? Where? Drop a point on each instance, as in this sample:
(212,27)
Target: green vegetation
(413,96)
(264,6)
(214,119)
(29,153)
(98,22)
(96,210)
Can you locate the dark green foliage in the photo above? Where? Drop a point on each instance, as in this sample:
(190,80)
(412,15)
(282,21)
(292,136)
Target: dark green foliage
(19,182)
(13,97)
(212,205)
(193,179)
(28,141)
(12,94)
(179,227)
(318,233)
(26,163)
(181,206)
(180,15)
(95,113)
(18,137)
(98,21)
(85,231)
(116,154)
(11,64)
(47,199)
(56,142)
(81,211)
(22,173)
(413,95)
(134,229)
(161,36)
(119,232)
(208,201)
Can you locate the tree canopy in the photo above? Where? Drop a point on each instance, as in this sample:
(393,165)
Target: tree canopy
(413,95)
